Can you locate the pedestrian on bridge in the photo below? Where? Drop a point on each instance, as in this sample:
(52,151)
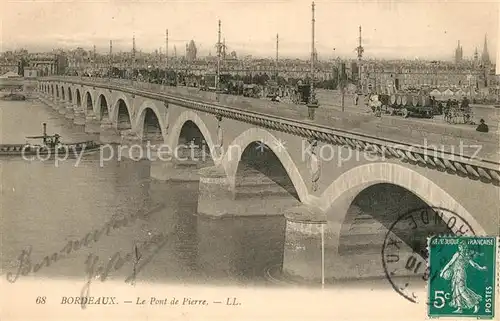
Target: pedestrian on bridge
(482,127)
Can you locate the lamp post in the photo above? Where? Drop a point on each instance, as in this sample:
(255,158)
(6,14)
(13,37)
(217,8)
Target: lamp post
(133,59)
(276,62)
(219,47)
(166,49)
(110,59)
(342,75)
(313,103)
(360,50)
(94,63)
(333,69)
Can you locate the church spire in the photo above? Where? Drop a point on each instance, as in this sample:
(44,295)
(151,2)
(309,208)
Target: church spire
(458,53)
(486,56)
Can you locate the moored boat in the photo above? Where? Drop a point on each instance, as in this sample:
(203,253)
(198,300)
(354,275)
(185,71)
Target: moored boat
(51,146)
(13,97)
(73,149)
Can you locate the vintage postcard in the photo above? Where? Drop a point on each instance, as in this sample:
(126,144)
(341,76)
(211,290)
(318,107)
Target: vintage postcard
(249,160)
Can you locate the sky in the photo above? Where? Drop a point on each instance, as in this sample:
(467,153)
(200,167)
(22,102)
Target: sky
(391,28)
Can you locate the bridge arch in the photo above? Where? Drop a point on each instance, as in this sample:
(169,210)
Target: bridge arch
(57,91)
(123,118)
(189,116)
(336,200)
(63,93)
(89,105)
(78,98)
(236,148)
(121,112)
(70,95)
(149,123)
(102,107)
(52,90)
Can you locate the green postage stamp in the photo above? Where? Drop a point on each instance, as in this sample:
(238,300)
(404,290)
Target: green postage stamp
(462,276)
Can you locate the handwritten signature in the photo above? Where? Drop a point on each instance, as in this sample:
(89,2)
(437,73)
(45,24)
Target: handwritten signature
(26,265)
(96,270)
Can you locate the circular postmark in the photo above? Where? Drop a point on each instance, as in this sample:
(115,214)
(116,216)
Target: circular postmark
(405,252)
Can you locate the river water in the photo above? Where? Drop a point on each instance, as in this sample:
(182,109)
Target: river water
(46,209)
(44,206)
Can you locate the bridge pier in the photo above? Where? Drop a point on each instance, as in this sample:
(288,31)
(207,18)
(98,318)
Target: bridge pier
(215,194)
(133,147)
(178,165)
(56,103)
(174,170)
(320,246)
(79,116)
(129,137)
(92,125)
(217,198)
(107,133)
(70,111)
(43,98)
(62,107)
(49,100)
(305,238)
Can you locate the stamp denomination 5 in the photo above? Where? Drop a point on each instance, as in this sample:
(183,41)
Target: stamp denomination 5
(465,267)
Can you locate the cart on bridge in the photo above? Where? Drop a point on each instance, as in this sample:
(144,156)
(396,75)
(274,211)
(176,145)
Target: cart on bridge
(406,105)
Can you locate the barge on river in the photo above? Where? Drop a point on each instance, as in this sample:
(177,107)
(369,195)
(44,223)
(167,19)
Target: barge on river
(51,146)
(13,97)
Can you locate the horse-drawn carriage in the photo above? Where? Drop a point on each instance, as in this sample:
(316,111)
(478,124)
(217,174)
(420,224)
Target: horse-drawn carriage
(457,112)
(300,94)
(251,90)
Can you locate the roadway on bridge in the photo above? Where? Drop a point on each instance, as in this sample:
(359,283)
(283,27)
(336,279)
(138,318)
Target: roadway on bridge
(458,139)
(447,137)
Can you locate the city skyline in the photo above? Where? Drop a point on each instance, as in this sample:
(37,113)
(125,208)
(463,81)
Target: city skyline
(391,29)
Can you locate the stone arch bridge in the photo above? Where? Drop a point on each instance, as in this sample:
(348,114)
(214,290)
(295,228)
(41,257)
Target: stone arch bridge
(322,169)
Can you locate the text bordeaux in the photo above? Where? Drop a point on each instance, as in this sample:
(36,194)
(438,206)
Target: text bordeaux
(108,300)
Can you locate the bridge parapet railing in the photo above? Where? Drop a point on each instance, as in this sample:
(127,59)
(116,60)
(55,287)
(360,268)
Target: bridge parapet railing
(475,168)
(188,92)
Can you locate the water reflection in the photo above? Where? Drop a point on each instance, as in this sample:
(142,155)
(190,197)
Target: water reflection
(240,248)
(46,207)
